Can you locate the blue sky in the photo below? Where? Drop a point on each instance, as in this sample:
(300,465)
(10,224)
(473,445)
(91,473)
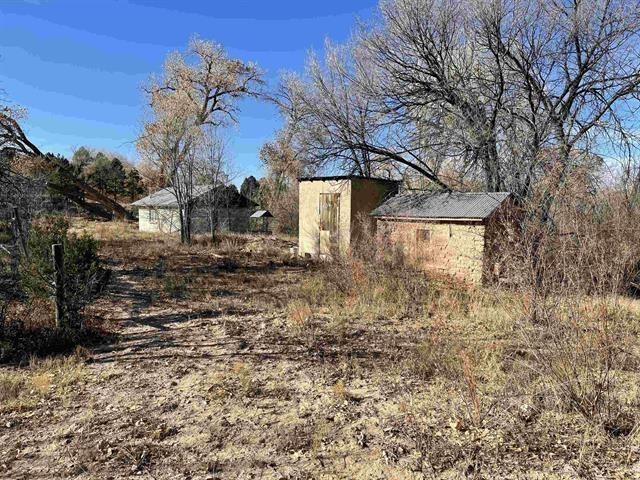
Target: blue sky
(78,65)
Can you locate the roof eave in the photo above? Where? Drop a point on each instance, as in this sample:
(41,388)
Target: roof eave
(345,177)
(430,219)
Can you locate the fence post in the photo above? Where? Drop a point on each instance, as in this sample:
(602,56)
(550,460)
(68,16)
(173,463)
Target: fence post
(58,282)
(18,233)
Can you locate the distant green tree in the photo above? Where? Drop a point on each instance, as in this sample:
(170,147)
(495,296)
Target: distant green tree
(250,188)
(98,177)
(116,177)
(61,179)
(133,184)
(81,158)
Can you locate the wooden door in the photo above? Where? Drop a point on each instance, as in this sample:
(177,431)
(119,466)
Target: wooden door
(329,222)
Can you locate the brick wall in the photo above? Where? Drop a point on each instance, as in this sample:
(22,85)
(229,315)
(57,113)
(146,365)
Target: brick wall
(455,249)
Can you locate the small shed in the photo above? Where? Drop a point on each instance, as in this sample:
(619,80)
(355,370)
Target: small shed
(332,208)
(260,221)
(445,232)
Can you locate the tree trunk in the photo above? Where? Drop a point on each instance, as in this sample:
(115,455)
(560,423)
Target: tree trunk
(489,160)
(181,219)
(18,232)
(185,224)
(213,224)
(77,190)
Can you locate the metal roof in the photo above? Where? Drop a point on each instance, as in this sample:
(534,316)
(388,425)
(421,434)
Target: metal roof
(345,177)
(453,205)
(165,198)
(262,214)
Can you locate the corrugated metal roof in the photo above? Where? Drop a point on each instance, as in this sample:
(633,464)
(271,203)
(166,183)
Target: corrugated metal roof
(165,198)
(455,205)
(345,177)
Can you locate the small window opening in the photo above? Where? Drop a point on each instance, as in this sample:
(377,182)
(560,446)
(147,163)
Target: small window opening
(423,235)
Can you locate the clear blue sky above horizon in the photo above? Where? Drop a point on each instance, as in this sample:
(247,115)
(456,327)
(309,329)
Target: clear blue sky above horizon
(77,66)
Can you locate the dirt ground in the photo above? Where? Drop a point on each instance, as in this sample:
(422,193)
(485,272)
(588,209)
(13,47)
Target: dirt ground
(209,377)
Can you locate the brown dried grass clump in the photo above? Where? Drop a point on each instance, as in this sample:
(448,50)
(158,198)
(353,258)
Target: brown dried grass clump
(299,315)
(21,389)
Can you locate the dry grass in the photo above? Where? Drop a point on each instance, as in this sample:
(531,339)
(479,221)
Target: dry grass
(299,315)
(479,346)
(51,378)
(277,368)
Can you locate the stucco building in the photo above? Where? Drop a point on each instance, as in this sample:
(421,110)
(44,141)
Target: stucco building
(159,212)
(331,210)
(449,233)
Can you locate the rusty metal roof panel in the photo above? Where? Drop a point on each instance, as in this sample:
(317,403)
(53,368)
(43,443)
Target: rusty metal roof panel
(453,205)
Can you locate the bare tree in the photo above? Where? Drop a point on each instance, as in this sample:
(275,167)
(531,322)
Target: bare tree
(213,169)
(15,144)
(21,198)
(199,89)
(279,188)
(498,90)
(13,140)
(339,125)
(168,141)
(434,76)
(578,64)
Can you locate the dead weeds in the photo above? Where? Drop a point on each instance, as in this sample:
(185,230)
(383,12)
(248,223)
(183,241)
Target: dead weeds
(253,363)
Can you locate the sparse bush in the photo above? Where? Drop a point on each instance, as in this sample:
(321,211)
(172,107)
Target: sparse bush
(315,290)
(231,245)
(436,355)
(368,288)
(83,274)
(28,327)
(575,334)
(580,347)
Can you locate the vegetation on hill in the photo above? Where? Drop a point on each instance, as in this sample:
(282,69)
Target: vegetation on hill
(115,177)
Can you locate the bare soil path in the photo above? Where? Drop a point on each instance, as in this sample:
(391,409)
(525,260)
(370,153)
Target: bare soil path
(220,372)
(191,343)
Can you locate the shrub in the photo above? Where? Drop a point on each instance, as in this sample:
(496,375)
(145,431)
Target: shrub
(231,245)
(580,348)
(26,318)
(83,274)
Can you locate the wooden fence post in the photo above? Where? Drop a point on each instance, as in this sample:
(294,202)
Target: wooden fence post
(58,282)
(18,233)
